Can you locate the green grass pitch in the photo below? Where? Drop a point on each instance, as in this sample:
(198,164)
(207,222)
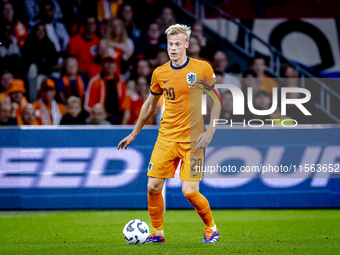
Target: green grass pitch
(242,232)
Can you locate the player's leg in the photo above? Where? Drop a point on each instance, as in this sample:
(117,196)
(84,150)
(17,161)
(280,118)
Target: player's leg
(162,165)
(156,204)
(190,188)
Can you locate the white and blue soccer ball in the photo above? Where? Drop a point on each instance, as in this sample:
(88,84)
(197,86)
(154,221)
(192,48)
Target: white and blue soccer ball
(136,232)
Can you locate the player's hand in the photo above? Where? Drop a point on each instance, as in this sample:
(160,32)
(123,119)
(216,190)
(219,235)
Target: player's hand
(204,140)
(126,141)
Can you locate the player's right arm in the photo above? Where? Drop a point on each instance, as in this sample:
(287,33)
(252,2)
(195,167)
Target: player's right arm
(147,110)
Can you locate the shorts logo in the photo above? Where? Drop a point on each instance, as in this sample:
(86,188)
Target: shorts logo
(150,166)
(191,78)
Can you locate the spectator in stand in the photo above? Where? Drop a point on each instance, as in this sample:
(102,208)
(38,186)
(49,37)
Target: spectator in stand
(83,47)
(164,20)
(290,76)
(125,13)
(97,116)
(32,9)
(108,90)
(75,115)
(220,64)
(136,102)
(40,56)
(71,84)
(194,49)
(106,10)
(207,48)
(130,87)
(162,57)
(144,69)
(289,72)
(75,11)
(9,47)
(49,112)
(316,117)
(116,33)
(20,29)
(259,67)
(262,100)
(55,30)
(16,91)
(227,107)
(219,77)
(149,46)
(103,48)
(6,79)
(250,81)
(5,114)
(28,116)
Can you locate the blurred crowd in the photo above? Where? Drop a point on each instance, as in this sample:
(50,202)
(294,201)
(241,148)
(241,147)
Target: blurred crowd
(75,62)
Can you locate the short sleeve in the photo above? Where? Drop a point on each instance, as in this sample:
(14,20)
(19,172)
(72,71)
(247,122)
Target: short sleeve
(155,88)
(209,75)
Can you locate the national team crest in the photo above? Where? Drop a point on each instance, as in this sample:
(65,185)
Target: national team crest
(191,78)
(150,166)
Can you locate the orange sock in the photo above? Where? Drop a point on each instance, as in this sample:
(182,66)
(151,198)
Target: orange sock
(156,208)
(202,207)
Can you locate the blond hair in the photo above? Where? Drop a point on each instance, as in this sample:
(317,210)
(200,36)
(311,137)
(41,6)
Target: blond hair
(178,29)
(110,34)
(73,100)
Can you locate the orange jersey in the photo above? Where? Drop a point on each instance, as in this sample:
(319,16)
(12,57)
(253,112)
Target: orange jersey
(182,120)
(268,84)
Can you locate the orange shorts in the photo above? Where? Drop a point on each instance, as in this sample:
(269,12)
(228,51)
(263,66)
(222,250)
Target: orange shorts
(166,156)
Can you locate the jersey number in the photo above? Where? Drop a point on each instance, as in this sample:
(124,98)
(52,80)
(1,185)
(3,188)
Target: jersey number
(194,164)
(170,94)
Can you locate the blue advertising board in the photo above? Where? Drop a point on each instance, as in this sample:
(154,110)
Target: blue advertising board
(66,168)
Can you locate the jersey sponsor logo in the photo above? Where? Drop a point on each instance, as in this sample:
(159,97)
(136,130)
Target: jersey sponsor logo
(191,78)
(166,81)
(150,166)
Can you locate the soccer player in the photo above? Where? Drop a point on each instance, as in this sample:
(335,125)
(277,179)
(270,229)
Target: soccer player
(181,134)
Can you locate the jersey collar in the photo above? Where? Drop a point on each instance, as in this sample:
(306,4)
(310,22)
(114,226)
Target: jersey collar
(179,67)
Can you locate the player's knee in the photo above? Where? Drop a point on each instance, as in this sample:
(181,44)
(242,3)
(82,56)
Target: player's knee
(154,187)
(155,184)
(188,189)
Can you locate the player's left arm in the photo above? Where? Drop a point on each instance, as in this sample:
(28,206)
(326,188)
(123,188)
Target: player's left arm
(205,138)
